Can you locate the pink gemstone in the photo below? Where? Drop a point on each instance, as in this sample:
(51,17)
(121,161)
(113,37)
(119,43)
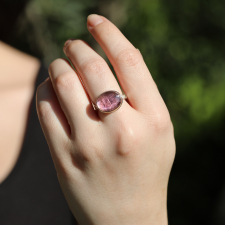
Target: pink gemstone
(109,101)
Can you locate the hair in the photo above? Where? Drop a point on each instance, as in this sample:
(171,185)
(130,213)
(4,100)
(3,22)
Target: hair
(10,10)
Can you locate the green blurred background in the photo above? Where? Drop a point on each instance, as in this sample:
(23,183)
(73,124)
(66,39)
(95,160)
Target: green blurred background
(183,44)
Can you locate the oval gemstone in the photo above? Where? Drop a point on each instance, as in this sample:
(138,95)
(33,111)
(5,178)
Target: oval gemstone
(109,101)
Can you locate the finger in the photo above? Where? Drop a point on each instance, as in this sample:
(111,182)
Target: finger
(94,71)
(52,119)
(72,96)
(132,73)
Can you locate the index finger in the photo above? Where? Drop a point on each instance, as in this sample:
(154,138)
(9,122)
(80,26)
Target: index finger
(132,72)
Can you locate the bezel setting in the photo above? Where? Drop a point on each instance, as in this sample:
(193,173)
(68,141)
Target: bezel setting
(117,94)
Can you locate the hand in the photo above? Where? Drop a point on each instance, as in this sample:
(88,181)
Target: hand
(113,168)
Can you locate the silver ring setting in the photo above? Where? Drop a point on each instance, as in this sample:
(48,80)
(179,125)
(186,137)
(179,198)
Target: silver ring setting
(109,101)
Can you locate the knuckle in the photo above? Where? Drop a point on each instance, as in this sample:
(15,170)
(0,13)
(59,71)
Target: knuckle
(94,66)
(161,122)
(64,81)
(129,57)
(128,140)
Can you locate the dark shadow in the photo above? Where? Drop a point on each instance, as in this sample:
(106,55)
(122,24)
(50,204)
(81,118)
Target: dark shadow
(92,114)
(79,160)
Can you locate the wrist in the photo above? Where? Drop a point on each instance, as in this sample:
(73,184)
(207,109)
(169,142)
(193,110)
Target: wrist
(156,214)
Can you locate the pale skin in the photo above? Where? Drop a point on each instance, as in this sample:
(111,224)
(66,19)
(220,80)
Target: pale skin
(113,168)
(18,72)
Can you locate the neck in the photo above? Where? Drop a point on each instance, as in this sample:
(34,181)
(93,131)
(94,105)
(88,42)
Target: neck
(17,69)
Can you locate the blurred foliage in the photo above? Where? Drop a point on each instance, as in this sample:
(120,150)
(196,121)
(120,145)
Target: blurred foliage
(183,44)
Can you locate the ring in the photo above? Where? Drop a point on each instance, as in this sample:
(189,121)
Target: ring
(109,101)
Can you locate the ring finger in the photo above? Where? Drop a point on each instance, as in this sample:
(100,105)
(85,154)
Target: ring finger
(94,71)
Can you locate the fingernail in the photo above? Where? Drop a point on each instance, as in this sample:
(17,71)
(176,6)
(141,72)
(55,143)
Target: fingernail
(67,42)
(93,20)
(42,92)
